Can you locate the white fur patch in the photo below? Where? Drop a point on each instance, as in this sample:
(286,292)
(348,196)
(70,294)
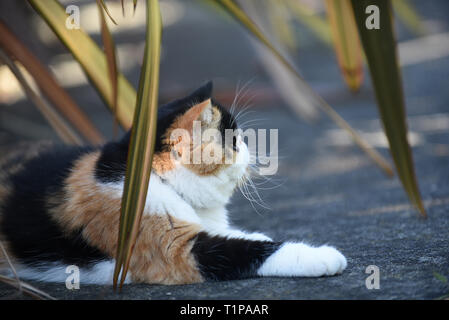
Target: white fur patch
(207,114)
(301,260)
(238,234)
(193,198)
(206,192)
(100,273)
(161,199)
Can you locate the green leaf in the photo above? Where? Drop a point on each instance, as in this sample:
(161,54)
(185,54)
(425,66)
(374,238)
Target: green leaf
(380,50)
(316,24)
(123,7)
(134,6)
(48,85)
(91,58)
(111,57)
(141,144)
(103,5)
(236,12)
(408,15)
(64,131)
(346,41)
(280,18)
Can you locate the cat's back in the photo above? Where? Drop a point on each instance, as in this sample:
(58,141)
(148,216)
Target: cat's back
(32,175)
(35,165)
(13,158)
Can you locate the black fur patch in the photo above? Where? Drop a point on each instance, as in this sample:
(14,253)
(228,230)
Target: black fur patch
(27,226)
(221,258)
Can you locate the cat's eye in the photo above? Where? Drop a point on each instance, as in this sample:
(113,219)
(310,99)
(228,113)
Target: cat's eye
(234,144)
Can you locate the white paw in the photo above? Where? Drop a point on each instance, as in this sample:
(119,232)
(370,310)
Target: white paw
(301,260)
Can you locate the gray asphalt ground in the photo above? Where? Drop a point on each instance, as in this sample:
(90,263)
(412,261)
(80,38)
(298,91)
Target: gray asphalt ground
(326,190)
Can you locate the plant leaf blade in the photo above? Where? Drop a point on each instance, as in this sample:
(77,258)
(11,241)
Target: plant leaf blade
(318,25)
(141,144)
(346,42)
(408,15)
(381,54)
(48,85)
(105,8)
(111,58)
(91,59)
(59,124)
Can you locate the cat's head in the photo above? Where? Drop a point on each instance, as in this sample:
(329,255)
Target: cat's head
(199,150)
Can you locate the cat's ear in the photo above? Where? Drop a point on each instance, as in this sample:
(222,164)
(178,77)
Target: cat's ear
(199,112)
(200,108)
(202,93)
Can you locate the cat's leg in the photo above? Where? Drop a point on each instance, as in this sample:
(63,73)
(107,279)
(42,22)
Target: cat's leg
(233,233)
(172,251)
(223,258)
(216,222)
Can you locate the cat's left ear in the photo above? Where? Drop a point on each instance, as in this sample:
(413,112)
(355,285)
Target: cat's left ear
(200,108)
(199,112)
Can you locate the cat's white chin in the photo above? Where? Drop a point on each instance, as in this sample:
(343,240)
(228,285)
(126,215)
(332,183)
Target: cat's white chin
(211,191)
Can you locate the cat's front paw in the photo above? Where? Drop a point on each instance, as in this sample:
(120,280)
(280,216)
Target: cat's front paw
(301,260)
(321,261)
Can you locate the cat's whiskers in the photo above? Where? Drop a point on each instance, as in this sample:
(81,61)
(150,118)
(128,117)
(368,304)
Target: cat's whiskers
(240,94)
(253,196)
(246,124)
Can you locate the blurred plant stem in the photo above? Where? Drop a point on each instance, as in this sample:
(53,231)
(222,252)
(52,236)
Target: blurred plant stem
(142,142)
(91,58)
(63,130)
(111,58)
(48,85)
(346,42)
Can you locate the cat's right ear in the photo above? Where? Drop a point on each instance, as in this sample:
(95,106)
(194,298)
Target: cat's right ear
(199,112)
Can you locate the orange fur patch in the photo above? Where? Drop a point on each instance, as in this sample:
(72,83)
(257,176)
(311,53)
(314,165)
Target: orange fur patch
(162,162)
(162,251)
(185,121)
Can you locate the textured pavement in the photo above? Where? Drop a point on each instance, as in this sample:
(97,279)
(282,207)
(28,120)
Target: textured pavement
(328,191)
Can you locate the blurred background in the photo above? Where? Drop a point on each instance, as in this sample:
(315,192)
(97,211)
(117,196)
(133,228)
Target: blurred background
(201,42)
(324,180)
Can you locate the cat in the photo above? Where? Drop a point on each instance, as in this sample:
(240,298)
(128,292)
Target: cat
(60,206)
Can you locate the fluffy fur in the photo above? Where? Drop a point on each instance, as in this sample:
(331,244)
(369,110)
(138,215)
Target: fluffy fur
(60,206)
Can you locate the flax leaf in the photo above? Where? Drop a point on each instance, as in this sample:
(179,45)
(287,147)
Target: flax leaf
(381,54)
(111,57)
(91,58)
(48,85)
(141,144)
(346,41)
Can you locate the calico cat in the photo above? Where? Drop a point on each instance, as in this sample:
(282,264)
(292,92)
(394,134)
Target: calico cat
(60,206)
